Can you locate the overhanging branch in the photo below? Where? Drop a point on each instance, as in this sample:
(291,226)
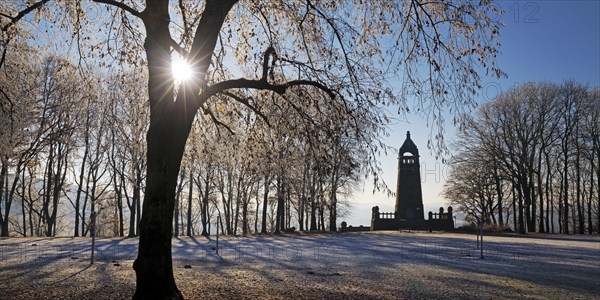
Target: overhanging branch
(263,83)
(22,13)
(122,6)
(216,121)
(243,83)
(247,104)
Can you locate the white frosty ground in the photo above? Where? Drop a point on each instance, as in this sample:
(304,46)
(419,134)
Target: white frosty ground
(367,265)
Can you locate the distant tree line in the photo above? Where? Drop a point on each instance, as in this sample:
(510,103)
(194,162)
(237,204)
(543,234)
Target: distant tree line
(530,159)
(73,146)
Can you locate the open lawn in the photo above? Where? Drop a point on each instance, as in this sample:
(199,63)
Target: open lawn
(361,265)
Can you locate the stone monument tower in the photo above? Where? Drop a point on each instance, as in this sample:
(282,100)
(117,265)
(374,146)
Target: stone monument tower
(409,199)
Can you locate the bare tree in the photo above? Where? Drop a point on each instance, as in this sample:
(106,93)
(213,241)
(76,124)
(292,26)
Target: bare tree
(531,138)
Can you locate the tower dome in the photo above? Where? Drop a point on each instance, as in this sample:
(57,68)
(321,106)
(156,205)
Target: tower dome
(409,146)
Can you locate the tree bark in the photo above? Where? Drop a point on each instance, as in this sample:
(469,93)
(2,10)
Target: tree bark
(81,173)
(205,193)
(3,176)
(265,204)
(170,125)
(549,204)
(313,206)
(153,265)
(8,201)
(520,212)
(177,204)
(278,215)
(540,192)
(166,139)
(190,198)
(580,207)
(24,220)
(566,193)
(257,196)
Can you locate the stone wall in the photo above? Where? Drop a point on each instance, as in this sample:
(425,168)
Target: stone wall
(436,221)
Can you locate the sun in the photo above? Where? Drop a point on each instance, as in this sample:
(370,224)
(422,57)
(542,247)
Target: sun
(181,69)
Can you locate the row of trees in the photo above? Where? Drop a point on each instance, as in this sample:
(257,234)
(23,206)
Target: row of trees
(73,148)
(531,159)
(65,148)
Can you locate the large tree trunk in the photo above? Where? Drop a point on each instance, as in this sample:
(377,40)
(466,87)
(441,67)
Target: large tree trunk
(166,139)
(153,265)
(170,124)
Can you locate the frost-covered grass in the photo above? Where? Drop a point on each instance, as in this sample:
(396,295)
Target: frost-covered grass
(377,265)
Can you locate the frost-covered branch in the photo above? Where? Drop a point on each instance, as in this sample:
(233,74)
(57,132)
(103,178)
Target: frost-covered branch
(263,83)
(122,6)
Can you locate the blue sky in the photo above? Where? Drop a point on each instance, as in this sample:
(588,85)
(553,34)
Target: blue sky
(562,41)
(541,41)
